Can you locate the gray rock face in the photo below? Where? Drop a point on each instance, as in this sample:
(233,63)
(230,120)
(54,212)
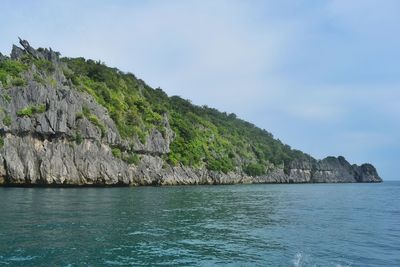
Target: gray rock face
(333,170)
(30,49)
(2,57)
(58,145)
(16,52)
(366,173)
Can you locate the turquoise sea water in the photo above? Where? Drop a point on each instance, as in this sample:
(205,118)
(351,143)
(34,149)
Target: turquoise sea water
(240,225)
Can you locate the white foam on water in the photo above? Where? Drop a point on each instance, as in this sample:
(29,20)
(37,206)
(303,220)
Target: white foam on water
(297,259)
(21,258)
(114,263)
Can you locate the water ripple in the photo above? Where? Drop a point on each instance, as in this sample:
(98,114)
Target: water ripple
(244,225)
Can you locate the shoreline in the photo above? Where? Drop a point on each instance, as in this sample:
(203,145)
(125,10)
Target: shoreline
(14,185)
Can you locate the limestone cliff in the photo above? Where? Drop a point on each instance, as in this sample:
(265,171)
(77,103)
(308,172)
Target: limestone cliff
(54,134)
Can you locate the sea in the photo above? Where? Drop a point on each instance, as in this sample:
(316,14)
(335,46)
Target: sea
(229,225)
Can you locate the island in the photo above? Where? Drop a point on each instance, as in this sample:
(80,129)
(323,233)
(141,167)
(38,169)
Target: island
(76,122)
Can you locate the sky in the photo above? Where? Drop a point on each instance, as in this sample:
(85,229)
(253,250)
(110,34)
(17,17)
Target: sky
(322,76)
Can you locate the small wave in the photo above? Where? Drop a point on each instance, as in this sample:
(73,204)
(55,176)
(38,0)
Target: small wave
(302,259)
(114,263)
(138,233)
(297,259)
(21,258)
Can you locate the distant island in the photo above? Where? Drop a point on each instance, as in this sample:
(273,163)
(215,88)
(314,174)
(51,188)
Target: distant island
(76,122)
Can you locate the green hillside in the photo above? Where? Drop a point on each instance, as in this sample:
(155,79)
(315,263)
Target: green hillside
(203,136)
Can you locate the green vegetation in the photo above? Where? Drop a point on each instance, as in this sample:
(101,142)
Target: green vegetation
(130,158)
(254,169)
(42,65)
(17,81)
(31,110)
(38,78)
(116,152)
(78,138)
(6,97)
(7,120)
(204,137)
(11,73)
(78,115)
(120,93)
(1,141)
(94,119)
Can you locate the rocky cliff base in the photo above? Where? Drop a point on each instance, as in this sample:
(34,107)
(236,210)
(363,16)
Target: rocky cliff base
(34,160)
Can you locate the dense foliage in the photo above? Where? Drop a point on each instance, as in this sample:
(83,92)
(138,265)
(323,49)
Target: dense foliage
(204,137)
(10,73)
(31,110)
(120,93)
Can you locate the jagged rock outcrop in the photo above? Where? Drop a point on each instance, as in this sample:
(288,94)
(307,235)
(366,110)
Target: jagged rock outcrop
(2,57)
(156,143)
(16,52)
(53,134)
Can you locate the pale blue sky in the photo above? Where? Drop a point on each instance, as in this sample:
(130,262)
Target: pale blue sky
(323,76)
